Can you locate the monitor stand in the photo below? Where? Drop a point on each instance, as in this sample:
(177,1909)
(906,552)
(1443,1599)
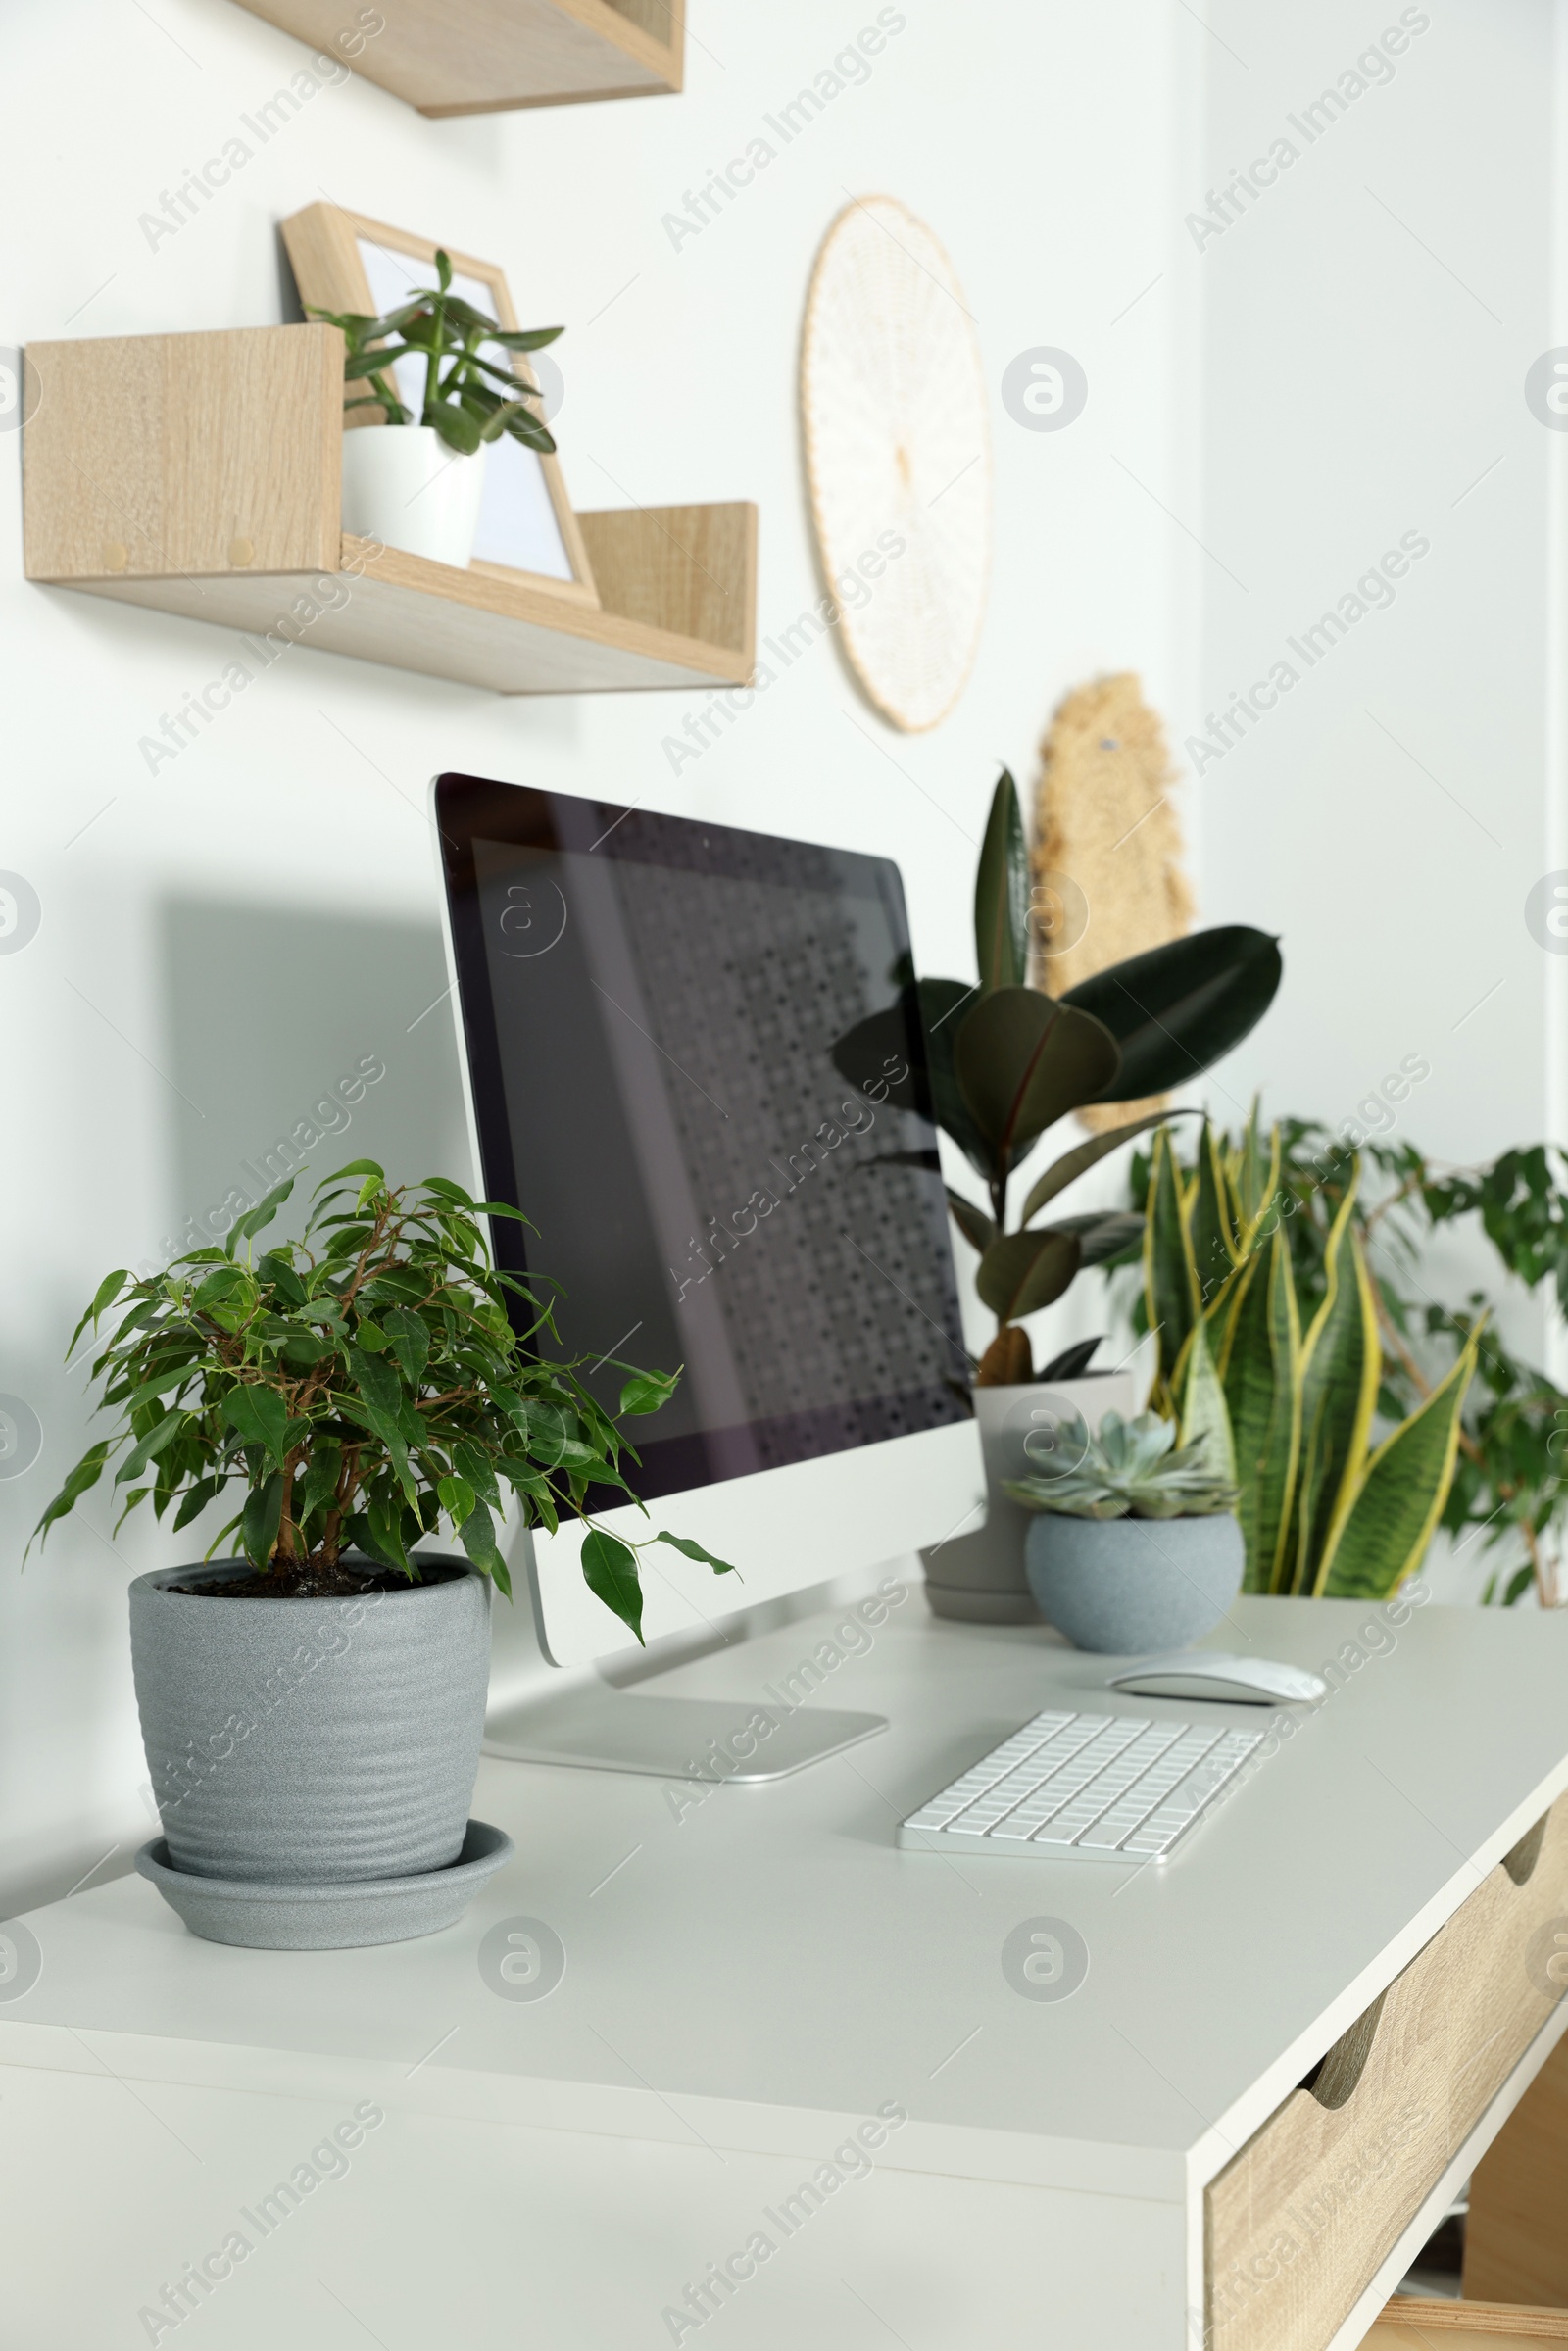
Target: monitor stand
(552,1714)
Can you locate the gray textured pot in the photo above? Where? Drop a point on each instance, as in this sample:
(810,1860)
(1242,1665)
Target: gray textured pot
(314,1742)
(1128,1586)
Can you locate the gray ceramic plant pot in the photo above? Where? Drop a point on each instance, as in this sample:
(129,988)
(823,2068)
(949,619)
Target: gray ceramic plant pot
(978,1576)
(1130,1586)
(311,1742)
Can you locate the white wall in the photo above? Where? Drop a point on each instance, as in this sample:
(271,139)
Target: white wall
(219,941)
(1368,322)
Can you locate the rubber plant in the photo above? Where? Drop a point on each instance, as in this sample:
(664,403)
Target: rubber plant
(1323,1509)
(356,1388)
(1006,1062)
(450,335)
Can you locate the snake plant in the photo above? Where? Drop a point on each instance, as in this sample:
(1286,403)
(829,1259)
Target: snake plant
(1322,1510)
(1133,1469)
(1006,1062)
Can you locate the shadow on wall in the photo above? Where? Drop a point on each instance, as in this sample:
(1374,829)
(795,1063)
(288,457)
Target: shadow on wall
(301,1039)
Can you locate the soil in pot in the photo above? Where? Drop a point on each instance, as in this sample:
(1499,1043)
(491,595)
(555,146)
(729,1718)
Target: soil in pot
(311,1581)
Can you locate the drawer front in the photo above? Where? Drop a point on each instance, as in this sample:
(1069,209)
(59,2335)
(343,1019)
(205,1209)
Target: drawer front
(1299,2222)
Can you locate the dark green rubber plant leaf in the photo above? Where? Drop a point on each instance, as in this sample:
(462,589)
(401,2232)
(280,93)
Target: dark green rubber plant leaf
(1027,1271)
(869,1053)
(977,1227)
(1022,1062)
(1176,1010)
(1001,894)
(1084,1155)
(1100,1233)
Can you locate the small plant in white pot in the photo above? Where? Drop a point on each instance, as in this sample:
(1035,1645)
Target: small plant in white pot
(418,484)
(312,1709)
(1136,1546)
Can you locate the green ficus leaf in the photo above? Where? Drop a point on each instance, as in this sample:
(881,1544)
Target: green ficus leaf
(260,1520)
(693,1550)
(647,1391)
(257,1416)
(375,1380)
(410,1341)
(104,1296)
(609,1570)
(477,1535)
(259,1217)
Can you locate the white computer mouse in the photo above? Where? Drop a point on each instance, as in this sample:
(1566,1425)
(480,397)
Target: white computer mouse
(1212,1674)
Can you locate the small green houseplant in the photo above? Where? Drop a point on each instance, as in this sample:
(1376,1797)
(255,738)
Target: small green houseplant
(1509,1495)
(399,485)
(1324,1509)
(313,1707)
(358,1391)
(1007,1061)
(1130,1469)
(1136,1546)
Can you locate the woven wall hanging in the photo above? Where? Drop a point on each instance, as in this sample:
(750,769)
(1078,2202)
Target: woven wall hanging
(1107,858)
(898,455)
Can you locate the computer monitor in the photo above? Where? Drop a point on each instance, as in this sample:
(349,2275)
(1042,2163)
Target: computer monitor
(691,1060)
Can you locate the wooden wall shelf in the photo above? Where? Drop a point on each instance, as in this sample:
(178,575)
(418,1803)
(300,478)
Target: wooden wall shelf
(199,474)
(485,57)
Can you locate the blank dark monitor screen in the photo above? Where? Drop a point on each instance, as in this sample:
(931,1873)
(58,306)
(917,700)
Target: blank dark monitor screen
(696,1069)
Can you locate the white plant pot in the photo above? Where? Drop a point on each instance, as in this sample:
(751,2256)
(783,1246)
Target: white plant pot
(980,1577)
(404,486)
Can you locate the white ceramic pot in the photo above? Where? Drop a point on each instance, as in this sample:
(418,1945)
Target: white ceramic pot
(404,486)
(980,1577)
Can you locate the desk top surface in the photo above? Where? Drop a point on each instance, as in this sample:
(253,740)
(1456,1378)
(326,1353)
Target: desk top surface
(763,1963)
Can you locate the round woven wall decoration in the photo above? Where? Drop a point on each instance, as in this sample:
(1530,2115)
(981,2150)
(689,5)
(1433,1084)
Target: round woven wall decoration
(898,448)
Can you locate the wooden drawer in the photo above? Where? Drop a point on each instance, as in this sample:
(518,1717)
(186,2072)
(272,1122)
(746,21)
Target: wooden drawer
(1299,2222)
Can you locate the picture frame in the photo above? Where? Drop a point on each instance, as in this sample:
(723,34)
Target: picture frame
(343,261)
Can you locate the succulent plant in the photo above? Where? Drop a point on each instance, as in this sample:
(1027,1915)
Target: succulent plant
(1133,1469)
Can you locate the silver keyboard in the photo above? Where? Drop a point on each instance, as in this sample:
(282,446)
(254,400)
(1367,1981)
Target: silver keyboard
(1083,1786)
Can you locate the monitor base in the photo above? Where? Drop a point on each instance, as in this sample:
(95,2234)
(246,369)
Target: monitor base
(712,1740)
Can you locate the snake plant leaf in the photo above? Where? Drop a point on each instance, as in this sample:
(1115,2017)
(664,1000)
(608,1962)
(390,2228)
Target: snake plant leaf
(977,1227)
(1022,1062)
(1170,1278)
(1255,1182)
(1260,1367)
(1027,1271)
(1084,1155)
(1206,1422)
(1175,1009)
(1383,1536)
(1341,1365)
(1246,1165)
(1001,894)
(1215,1254)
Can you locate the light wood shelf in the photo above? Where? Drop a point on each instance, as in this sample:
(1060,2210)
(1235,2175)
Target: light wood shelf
(484,57)
(199,474)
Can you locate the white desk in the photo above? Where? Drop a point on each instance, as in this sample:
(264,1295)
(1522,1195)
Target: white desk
(744,1985)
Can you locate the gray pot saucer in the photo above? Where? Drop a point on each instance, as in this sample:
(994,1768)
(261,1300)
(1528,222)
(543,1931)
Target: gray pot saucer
(317,1916)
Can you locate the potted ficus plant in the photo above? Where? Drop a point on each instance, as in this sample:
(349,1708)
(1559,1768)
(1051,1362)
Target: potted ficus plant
(1008,1063)
(1135,1547)
(312,1703)
(418,483)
